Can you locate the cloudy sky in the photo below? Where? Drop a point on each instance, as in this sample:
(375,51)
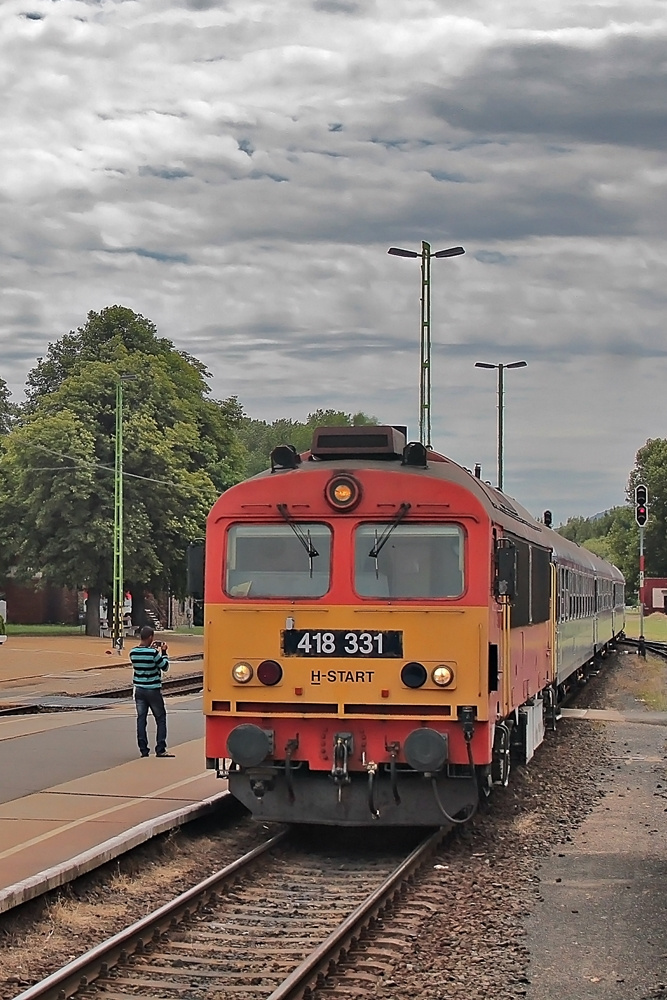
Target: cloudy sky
(235,170)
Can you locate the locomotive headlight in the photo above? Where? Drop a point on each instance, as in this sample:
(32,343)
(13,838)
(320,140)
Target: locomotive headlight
(242,672)
(343,492)
(443,675)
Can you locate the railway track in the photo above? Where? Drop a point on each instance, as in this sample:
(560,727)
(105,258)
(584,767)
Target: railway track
(272,924)
(185,684)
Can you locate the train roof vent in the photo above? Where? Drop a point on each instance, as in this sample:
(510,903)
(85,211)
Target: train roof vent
(368,441)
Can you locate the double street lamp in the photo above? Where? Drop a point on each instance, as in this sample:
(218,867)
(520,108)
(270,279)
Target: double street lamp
(118,594)
(425,332)
(501,407)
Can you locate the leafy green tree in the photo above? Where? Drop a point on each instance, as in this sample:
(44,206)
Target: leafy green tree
(583,529)
(624,547)
(56,473)
(7,410)
(612,536)
(260,437)
(600,547)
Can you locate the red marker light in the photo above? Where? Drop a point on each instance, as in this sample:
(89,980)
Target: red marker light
(269,672)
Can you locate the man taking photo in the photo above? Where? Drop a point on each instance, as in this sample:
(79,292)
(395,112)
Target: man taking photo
(150,662)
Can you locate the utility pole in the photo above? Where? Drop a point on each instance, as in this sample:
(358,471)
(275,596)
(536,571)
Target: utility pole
(425,349)
(118,594)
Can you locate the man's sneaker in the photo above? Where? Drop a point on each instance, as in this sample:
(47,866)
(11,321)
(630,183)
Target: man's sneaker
(145,753)
(165,754)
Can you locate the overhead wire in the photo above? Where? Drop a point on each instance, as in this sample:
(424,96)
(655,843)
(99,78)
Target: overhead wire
(92,465)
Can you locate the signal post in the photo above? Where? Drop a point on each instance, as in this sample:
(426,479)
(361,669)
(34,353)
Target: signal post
(641,517)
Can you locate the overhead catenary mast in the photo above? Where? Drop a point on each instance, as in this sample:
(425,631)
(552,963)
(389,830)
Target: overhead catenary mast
(425,331)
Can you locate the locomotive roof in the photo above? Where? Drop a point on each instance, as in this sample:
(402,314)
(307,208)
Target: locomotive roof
(500,508)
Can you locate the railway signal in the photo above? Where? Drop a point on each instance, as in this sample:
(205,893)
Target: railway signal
(641,517)
(641,505)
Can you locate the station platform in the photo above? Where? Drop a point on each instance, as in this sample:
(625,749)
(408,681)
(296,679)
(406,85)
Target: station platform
(73,791)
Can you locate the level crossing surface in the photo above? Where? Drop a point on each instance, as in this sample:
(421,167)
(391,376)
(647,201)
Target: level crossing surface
(74,792)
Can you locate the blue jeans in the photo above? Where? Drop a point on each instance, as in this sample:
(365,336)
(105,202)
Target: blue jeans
(152,698)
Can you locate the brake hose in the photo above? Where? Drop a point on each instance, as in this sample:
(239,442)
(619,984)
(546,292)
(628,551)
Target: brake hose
(475,806)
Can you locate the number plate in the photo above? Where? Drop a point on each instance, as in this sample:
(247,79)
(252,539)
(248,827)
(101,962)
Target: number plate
(342,642)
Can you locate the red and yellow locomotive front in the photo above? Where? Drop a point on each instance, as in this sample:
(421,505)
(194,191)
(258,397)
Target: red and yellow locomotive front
(348,620)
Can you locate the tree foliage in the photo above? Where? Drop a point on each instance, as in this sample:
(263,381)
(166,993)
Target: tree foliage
(612,536)
(57,467)
(260,438)
(7,410)
(615,535)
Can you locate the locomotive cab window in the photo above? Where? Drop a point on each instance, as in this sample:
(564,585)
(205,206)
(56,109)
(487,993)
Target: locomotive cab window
(413,561)
(270,560)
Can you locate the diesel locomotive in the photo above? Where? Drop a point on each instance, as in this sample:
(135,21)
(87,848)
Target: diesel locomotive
(385,633)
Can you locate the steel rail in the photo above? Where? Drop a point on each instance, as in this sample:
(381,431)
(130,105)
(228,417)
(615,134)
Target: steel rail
(325,955)
(170,685)
(98,960)
(79,973)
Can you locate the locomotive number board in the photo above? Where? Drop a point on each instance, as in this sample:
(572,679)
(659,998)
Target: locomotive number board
(339,642)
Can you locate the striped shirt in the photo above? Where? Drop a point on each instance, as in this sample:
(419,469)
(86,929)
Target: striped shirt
(149,665)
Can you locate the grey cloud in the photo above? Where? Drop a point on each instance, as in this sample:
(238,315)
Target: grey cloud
(161,256)
(494,257)
(166,173)
(256,175)
(443,175)
(337,6)
(614,93)
(204,4)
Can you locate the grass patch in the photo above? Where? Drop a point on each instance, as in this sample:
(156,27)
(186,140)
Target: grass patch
(655,626)
(45,629)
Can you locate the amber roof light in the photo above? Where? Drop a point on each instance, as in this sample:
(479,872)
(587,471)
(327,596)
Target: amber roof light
(343,493)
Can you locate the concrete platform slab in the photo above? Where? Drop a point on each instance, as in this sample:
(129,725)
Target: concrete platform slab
(74,792)
(600,929)
(616,715)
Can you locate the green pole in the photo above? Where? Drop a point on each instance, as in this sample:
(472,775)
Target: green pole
(118,588)
(425,350)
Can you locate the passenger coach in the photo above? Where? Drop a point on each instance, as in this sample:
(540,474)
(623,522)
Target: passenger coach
(384,632)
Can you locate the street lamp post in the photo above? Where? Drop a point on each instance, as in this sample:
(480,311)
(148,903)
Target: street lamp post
(118,594)
(501,408)
(425,332)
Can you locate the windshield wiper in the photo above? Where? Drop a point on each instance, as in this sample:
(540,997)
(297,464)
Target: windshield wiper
(384,537)
(303,538)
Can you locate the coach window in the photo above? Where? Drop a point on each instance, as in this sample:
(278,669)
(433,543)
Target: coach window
(270,560)
(540,585)
(413,561)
